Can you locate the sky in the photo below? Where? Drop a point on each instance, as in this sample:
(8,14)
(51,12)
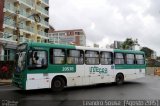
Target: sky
(106,21)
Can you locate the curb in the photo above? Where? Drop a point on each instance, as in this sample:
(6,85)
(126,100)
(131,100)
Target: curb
(4,84)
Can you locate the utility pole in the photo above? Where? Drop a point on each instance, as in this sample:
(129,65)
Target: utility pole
(37,20)
(17,31)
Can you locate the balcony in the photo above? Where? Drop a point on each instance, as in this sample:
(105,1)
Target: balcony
(30,17)
(45,23)
(42,33)
(42,10)
(9,22)
(27,29)
(23,13)
(10,7)
(8,36)
(45,2)
(24,39)
(28,3)
(30,29)
(26,15)
(13,38)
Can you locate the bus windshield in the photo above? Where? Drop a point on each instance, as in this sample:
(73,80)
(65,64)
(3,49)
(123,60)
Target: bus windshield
(37,59)
(20,57)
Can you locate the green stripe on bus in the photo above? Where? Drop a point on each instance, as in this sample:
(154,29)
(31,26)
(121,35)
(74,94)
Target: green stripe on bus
(128,51)
(130,66)
(62,69)
(55,69)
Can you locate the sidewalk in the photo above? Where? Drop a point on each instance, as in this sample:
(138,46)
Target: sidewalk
(5,82)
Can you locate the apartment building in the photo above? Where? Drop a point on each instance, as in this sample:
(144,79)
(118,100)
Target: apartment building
(22,21)
(73,37)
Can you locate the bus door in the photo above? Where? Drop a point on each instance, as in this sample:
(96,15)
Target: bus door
(91,65)
(38,63)
(106,67)
(75,59)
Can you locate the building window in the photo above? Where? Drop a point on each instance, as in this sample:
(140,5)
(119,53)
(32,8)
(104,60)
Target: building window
(130,58)
(6,54)
(55,34)
(119,58)
(62,34)
(92,57)
(57,56)
(75,56)
(140,59)
(69,33)
(77,33)
(106,58)
(9,54)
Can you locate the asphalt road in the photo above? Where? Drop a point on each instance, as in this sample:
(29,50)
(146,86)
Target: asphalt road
(147,88)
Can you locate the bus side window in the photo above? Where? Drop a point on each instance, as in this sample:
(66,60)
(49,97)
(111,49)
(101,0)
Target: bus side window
(75,56)
(57,56)
(119,58)
(106,58)
(91,57)
(130,59)
(140,59)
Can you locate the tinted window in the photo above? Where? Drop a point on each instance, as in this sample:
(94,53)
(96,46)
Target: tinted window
(57,56)
(119,58)
(139,59)
(75,56)
(106,58)
(91,57)
(130,58)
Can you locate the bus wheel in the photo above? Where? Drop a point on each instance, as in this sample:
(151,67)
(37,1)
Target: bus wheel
(58,84)
(119,79)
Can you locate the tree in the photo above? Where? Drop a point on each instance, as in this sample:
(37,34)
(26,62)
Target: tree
(150,61)
(148,52)
(129,43)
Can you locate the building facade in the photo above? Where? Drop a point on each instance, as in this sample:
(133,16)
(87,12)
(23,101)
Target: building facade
(154,55)
(118,45)
(96,45)
(22,21)
(74,37)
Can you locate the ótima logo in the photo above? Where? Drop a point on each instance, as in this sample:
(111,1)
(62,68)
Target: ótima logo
(98,69)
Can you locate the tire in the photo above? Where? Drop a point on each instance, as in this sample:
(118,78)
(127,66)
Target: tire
(58,84)
(119,79)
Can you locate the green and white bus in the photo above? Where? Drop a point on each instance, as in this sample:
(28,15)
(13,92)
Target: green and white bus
(55,66)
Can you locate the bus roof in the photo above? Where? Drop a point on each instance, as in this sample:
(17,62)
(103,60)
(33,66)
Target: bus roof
(36,44)
(50,45)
